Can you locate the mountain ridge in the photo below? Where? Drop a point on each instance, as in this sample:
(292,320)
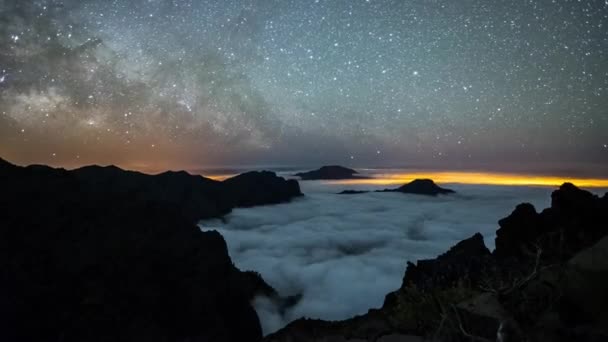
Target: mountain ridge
(103,254)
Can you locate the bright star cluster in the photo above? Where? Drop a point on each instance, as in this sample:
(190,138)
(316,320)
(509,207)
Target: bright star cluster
(188,83)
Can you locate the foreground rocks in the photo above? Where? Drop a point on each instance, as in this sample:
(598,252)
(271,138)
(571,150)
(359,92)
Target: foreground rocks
(102,254)
(418,187)
(576,220)
(545,281)
(331,172)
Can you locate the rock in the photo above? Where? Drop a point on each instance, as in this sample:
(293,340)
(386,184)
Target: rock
(329,173)
(417,187)
(585,284)
(400,338)
(368,327)
(464,262)
(194,197)
(482,315)
(592,259)
(421,187)
(517,230)
(197,197)
(576,220)
(571,200)
(102,254)
(352,192)
(255,188)
(565,301)
(5,166)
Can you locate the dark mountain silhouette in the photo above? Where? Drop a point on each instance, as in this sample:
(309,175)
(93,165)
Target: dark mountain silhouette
(329,173)
(353,192)
(418,187)
(103,254)
(422,187)
(255,188)
(545,281)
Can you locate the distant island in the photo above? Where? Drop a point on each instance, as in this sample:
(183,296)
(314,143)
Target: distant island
(330,172)
(422,187)
(417,186)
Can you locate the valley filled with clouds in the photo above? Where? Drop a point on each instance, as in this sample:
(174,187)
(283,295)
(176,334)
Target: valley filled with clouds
(344,253)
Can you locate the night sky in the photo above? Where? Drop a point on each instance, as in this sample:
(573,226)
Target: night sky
(183,84)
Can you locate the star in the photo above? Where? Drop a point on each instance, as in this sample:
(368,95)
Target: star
(236,81)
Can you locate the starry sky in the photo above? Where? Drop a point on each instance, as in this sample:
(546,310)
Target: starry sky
(155,84)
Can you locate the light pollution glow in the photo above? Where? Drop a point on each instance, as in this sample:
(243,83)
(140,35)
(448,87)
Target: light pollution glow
(485,178)
(461,177)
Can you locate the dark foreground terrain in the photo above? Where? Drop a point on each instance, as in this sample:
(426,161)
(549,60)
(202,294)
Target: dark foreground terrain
(545,281)
(102,254)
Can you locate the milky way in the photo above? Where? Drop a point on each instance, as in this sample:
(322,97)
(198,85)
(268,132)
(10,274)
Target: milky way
(159,83)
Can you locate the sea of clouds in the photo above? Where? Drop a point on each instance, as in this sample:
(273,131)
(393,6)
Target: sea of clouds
(344,253)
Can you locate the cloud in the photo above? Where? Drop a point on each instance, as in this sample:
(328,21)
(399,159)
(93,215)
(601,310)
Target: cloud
(345,253)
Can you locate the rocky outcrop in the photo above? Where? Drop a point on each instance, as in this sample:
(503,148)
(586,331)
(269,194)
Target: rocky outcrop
(554,302)
(329,173)
(584,288)
(352,192)
(418,187)
(464,262)
(102,254)
(545,281)
(521,226)
(422,187)
(575,220)
(255,188)
(369,327)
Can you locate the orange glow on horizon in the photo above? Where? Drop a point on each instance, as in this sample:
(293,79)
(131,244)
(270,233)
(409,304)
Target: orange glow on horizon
(485,178)
(458,177)
(219,177)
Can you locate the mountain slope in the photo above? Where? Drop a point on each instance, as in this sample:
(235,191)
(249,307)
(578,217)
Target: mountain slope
(102,254)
